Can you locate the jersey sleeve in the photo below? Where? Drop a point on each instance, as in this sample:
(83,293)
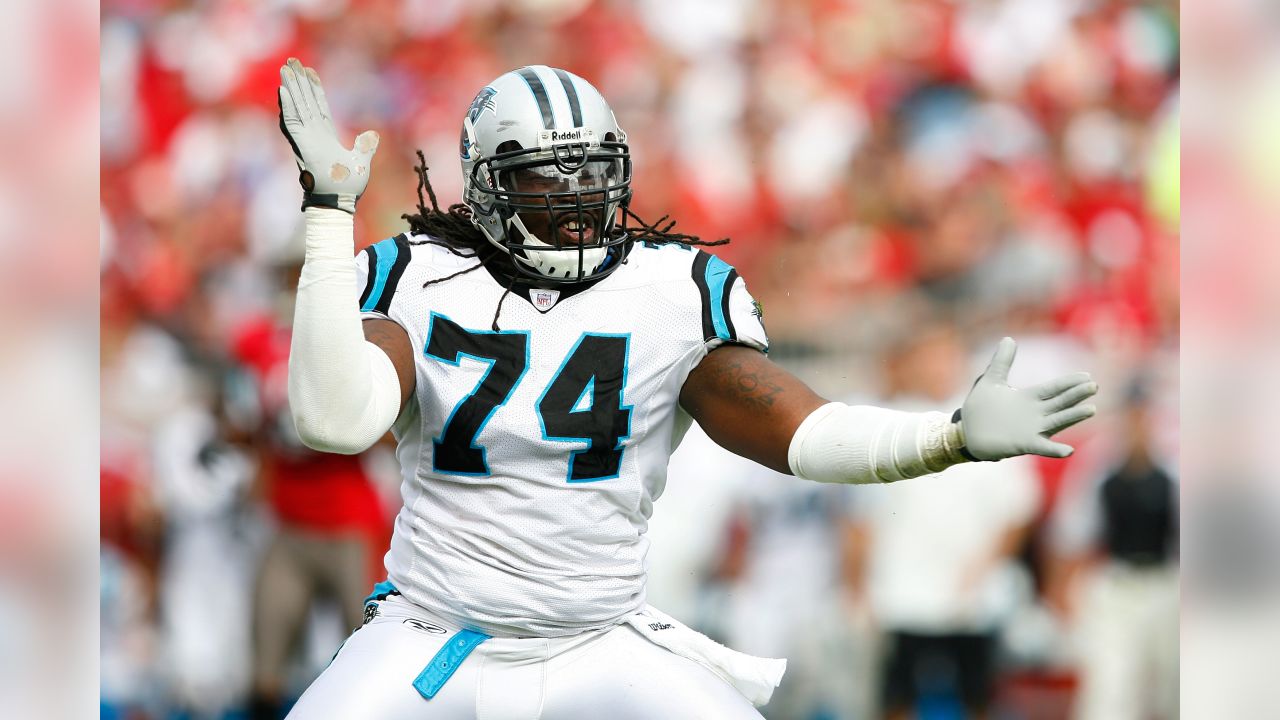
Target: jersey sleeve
(729,313)
(379,269)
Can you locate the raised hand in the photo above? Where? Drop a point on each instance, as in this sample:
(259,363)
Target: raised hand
(331,175)
(1000,421)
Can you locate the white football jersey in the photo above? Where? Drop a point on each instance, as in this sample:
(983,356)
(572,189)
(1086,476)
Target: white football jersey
(533,454)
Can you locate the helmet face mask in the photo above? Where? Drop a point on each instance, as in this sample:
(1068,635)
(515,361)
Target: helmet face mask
(554,199)
(559,219)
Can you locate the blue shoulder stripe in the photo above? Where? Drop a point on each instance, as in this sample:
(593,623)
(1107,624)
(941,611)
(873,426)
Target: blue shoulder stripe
(387,261)
(720,279)
(714,278)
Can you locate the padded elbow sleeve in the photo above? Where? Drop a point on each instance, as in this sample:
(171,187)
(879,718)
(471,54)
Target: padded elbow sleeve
(344,392)
(859,444)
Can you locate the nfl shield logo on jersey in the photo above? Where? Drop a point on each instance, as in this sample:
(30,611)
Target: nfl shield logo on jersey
(544,299)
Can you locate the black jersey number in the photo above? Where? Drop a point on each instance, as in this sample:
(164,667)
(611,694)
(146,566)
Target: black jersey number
(507,354)
(583,402)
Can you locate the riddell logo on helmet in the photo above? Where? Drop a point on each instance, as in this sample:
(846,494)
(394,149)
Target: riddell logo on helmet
(574,136)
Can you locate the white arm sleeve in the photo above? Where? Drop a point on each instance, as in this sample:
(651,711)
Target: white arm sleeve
(860,444)
(343,390)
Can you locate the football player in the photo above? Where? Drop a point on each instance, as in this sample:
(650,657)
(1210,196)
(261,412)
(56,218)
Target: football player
(538,356)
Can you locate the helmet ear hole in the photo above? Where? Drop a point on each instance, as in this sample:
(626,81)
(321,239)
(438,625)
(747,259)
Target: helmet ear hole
(610,137)
(508,146)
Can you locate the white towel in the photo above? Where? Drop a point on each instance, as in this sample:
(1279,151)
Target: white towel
(754,677)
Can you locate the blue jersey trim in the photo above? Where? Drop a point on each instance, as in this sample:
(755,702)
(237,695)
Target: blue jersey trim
(381,591)
(718,272)
(445,662)
(386,251)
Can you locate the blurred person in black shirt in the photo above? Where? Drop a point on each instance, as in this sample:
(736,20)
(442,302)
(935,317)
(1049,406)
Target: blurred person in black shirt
(1117,531)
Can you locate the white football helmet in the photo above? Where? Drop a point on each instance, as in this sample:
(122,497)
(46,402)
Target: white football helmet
(547,174)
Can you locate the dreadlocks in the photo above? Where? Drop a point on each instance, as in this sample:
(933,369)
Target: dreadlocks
(453,230)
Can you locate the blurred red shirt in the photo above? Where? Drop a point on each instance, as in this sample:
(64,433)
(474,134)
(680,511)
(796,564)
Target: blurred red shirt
(308,489)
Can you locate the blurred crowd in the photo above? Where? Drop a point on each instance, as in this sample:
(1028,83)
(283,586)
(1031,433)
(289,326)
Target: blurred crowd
(903,181)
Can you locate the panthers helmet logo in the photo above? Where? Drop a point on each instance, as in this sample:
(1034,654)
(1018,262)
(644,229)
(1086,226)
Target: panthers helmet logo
(482,102)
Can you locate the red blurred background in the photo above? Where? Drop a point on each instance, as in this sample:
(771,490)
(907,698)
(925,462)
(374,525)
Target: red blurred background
(881,166)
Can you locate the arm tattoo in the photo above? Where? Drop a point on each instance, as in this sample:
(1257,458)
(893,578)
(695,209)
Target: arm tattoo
(754,386)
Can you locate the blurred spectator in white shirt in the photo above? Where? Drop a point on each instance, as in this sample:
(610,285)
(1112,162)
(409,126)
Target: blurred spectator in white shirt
(934,558)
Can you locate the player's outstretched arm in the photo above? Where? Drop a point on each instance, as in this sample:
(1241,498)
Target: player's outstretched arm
(345,392)
(756,409)
(747,404)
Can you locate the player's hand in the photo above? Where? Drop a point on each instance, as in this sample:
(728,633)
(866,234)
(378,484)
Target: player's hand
(331,175)
(999,421)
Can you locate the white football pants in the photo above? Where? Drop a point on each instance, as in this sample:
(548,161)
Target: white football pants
(615,673)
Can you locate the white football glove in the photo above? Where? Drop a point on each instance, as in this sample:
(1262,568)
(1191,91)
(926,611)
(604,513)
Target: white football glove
(331,175)
(998,421)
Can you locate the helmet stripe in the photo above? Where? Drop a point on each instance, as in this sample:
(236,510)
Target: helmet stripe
(540,94)
(574,106)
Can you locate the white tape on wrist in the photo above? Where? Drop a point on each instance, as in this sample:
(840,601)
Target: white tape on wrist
(861,444)
(344,392)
